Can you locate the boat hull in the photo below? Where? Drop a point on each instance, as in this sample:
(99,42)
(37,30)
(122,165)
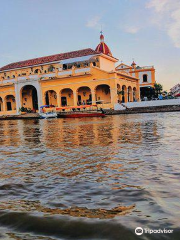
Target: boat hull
(48,115)
(80,115)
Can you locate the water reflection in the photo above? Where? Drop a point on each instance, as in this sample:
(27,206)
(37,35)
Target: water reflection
(79,167)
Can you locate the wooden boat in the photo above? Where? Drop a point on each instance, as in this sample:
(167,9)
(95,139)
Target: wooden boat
(80,111)
(80,114)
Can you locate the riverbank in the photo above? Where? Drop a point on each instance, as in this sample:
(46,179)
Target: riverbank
(150,109)
(23,116)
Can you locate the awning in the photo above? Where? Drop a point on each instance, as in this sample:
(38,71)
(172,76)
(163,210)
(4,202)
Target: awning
(76,60)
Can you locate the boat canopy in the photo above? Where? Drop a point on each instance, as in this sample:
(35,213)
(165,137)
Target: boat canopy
(73,107)
(47,106)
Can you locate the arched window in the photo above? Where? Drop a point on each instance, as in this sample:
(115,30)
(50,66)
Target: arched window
(145,78)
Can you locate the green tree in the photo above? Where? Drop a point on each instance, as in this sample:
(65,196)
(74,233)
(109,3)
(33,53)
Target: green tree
(158,89)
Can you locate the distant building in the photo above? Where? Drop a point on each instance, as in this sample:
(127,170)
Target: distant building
(175,91)
(145,74)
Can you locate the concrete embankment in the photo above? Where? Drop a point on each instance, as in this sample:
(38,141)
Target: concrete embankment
(152,109)
(136,108)
(23,116)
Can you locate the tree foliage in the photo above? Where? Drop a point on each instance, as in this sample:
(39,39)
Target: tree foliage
(158,88)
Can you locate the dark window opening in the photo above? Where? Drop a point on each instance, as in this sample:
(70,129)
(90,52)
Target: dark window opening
(9,106)
(63,101)
(64,66)
(145,78)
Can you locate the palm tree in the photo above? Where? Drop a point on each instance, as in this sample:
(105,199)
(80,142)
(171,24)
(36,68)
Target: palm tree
(158,89)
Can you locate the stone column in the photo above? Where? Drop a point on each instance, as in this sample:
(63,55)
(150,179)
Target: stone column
(93,97)
(75,97)
(17,97)
(43,99)
(131,96)
(119,96)
(126,96)
(114,98)
(4,105)
(59,99)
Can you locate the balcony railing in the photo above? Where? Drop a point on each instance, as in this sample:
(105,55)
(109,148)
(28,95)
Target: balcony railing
(33,77)
(145,67)
(22,78)
(7,81)
(65,72)
(45,76)
(82,70)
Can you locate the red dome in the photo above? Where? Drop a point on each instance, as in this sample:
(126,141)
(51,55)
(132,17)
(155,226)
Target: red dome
(102,47)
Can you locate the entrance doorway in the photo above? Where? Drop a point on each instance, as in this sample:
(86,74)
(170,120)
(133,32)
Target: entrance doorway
(29,98)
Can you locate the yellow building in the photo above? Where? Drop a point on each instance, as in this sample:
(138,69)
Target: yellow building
(67,79)
(145,74)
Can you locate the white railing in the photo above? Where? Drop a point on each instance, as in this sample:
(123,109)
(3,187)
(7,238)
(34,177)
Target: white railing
(145,67)
(48,75)
(81,70)
(7,81)
(22,78)
(155,103)
(69,72)
(35,76)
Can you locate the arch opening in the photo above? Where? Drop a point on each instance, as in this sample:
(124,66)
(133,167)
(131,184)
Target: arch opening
(134,94)
(124,94)
(103,94)
(84,96)
(1,104)
(67,97)
(51,98)
(10,103)
(29,98)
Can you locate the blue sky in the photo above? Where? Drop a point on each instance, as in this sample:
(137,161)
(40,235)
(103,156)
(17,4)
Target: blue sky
(146,30)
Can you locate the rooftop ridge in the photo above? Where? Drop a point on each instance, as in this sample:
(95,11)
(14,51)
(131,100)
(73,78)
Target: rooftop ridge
(49,58)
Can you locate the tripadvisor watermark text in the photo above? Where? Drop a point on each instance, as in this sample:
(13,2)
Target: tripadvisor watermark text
(140,231)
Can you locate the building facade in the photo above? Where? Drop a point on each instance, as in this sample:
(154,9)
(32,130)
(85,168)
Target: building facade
(175,91)
(69,79)
(146,76)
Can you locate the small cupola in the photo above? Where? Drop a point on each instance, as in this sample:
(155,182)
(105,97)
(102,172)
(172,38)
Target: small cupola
(102,47)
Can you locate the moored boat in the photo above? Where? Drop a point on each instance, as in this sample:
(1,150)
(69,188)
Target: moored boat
(48,112)
(48,115)
(80,114)
(80,111)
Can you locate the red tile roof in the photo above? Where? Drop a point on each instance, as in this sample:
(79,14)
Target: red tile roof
(47,59)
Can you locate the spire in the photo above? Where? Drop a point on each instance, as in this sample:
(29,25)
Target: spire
(133,64)
(101,36)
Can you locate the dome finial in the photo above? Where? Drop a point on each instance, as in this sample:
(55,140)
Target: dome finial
(101,36)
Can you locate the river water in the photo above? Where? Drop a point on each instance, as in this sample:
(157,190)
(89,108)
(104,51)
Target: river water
(66,178)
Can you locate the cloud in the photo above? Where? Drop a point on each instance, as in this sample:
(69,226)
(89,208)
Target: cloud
(131,29)
(94,22)
(158,5)
(167,15)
